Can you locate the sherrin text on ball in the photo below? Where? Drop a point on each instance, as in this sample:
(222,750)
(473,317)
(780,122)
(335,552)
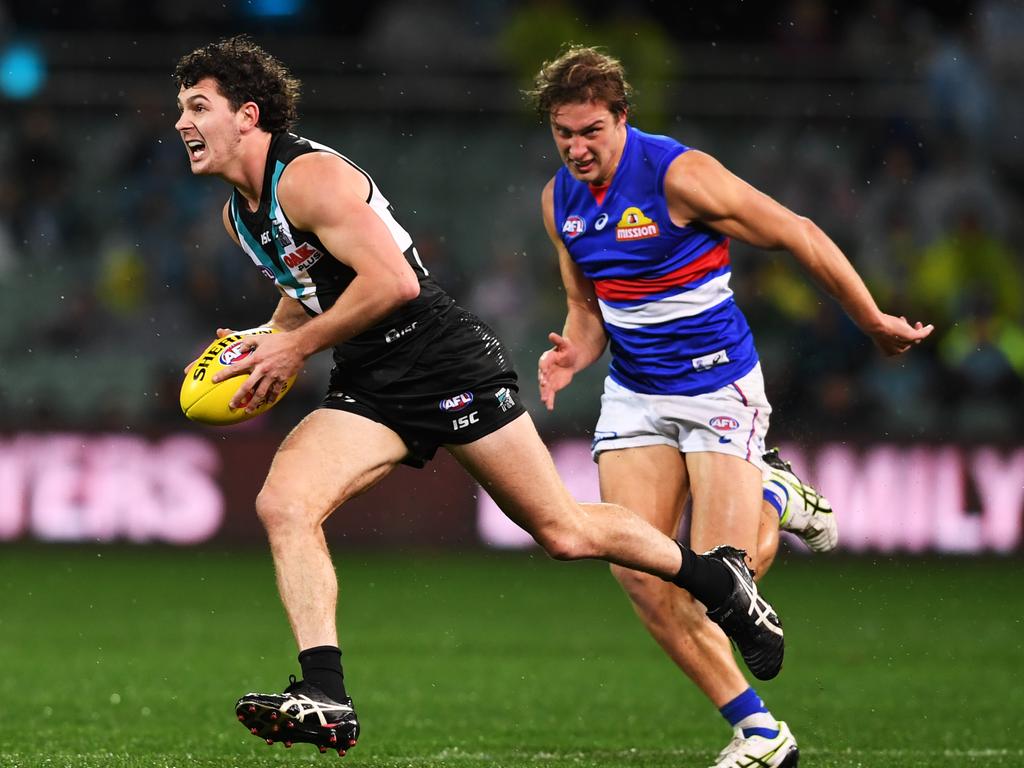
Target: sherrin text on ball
(208,402)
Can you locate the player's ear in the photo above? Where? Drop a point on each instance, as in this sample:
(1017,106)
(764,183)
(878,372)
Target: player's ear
(249,115)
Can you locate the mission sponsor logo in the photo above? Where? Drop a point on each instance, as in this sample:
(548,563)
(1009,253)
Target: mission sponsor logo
(634,225)
(574,226)
(456,403)
(302,257)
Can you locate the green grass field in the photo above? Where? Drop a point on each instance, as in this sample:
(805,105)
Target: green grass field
(134,657)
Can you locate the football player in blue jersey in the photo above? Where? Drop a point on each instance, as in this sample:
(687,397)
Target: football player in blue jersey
(641,225)
(413,373)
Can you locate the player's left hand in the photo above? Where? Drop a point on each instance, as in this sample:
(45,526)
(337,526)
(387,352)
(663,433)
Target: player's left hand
(555,368)
(274,360)
(894,335)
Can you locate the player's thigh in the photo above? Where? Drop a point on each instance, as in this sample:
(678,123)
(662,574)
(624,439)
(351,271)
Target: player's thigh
(514,466)
(650,480)
(329,457)
(725,491)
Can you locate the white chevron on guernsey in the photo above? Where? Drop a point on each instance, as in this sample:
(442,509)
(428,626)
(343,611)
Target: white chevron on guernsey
(685,304)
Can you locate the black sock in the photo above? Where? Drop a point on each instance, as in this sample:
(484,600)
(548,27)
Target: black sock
(321,666)
(706,579)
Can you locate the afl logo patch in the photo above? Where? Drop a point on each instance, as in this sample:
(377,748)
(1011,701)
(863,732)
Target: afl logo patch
(574,226)
(724,423)
(237,351)
(457,403)
(601,221)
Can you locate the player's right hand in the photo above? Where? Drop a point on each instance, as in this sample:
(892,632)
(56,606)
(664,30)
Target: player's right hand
(895,335)
(555,368)
(221,333)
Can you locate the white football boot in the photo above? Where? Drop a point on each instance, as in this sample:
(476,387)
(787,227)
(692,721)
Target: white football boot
(805,512)
(759,752)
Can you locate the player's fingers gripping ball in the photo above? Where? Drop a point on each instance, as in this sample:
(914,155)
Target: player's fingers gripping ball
(207,402)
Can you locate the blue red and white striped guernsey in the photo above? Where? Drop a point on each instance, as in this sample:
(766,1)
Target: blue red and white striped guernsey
(663,289)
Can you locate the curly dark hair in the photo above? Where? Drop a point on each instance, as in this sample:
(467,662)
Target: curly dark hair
(245,72)
(580,74)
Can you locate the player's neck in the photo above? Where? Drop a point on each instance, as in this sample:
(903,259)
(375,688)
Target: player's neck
(247,174)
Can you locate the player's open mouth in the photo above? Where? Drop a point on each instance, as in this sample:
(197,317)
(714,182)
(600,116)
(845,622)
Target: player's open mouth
(584,167)
(196,149)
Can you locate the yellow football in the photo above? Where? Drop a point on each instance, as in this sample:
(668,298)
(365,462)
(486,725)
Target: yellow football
(206,402)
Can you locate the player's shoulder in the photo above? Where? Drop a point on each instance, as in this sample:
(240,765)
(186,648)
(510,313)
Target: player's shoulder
(656,143)
(321,173)
(547,194)
(693,165)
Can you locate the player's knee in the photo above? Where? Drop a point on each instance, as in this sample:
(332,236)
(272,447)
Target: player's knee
(564,542)
(280,511)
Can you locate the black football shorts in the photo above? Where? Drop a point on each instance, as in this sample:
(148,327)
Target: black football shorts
(461,387)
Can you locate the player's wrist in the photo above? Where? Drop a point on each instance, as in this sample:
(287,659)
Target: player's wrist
(305,340)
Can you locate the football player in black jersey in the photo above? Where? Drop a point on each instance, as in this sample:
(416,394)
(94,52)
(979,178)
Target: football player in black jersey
(414,372)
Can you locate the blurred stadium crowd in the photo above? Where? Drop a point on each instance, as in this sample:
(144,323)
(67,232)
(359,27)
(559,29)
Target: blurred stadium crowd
(896,126)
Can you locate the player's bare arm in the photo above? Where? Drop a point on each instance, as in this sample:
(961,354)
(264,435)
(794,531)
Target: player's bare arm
(699,188)
(321,193)
(288,315)
(583,338)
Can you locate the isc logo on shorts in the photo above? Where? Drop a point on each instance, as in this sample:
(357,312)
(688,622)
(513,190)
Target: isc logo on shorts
(465,420)
(456,403)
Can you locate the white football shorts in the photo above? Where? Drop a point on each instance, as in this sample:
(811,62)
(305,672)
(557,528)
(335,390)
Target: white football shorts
(732,420)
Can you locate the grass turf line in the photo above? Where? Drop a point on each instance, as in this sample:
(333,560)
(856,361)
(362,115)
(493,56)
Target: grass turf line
(134,657)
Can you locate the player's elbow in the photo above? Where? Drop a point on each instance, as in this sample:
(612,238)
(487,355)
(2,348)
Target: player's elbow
(391,291)
(407,287)
(807,233)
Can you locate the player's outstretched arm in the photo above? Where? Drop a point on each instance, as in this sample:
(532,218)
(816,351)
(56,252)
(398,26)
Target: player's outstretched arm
(699,188)
(583,338)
